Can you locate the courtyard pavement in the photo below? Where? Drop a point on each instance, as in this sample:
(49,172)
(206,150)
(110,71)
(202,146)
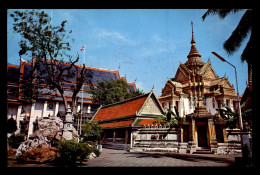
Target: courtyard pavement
(122,158)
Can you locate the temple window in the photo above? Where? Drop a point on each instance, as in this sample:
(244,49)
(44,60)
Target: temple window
(213,102)
(228,102)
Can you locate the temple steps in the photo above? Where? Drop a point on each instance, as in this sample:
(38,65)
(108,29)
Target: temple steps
(203,151)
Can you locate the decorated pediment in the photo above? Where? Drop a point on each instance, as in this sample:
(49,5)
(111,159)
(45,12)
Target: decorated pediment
(210,74)
(167,88)
(180,76)
(227,84)
(151,106)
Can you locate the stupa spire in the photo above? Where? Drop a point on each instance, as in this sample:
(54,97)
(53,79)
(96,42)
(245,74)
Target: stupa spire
(192,39)
(194,55)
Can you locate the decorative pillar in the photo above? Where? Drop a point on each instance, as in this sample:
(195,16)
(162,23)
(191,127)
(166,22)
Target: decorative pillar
(126,135)
(32,118)
(67,126)
(192,142)
(131,140)
(225,136)
(114,136)
(212,136)
(181,135)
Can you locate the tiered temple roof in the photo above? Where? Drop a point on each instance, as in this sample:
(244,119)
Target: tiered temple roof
(196,73)
(133,112)
(17,74)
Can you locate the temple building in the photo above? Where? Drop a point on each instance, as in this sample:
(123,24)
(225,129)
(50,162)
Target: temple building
(193,79)
(120,120)
(51,104)
(197,92)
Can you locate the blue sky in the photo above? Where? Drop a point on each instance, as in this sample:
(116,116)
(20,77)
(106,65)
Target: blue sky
(148,44)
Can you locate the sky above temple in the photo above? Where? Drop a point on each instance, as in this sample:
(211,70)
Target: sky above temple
(147,44)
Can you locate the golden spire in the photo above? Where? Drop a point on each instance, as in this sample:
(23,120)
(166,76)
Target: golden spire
(194,55)
(192,39)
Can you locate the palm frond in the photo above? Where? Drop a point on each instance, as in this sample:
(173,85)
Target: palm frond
(247,54)
(239,34)
(222,13)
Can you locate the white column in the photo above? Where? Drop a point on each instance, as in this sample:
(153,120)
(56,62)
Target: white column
(44,109)
(78,108)
(131,140)
(18,118)
(32,119)
(89,108)
(56,109)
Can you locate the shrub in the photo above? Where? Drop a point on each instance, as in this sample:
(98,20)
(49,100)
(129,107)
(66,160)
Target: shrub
(71,150)
(15,140)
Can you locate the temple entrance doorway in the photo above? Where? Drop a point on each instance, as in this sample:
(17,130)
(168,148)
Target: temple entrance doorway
(202,136)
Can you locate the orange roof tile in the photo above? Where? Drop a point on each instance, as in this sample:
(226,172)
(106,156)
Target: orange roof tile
(147,122)
(117,124)
(122,109)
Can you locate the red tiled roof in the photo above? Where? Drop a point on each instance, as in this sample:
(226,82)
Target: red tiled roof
(147,122)
(122,109)
(117,124)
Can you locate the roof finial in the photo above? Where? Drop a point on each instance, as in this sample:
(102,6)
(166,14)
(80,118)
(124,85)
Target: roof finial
(118,67)
(192,39)
(192,27)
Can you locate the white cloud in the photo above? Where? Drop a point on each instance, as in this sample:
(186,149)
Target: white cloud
(111,36)
(140,86)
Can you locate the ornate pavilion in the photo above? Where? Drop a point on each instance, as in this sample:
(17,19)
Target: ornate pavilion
(197,92)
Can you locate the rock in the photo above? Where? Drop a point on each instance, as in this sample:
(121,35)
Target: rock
(38,155)
(48,131)
(11,153)
(92,155)
(32,144)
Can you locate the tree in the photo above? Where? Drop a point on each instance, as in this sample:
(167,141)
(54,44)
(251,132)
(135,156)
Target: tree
(231,117)
(170,118)
(112,91)
(242,30)
(135,93)
(11,125)
(91,131)
(47,47)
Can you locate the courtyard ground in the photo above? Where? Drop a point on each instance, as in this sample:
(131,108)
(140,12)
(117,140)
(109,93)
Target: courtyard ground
(122,158)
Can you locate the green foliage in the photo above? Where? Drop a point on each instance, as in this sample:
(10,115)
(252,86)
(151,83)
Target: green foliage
(15,140)
(50,46)
(232,118)
(112,91)
(170,118)
(71,151)
(91,131)
(243,29)
(135,93)
(39,37)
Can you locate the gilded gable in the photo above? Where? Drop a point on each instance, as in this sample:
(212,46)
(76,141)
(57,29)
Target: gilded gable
(180,77)
(210,74)
(151,106)
(227,84)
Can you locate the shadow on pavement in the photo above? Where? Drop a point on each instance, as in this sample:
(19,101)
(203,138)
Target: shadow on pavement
(186,157)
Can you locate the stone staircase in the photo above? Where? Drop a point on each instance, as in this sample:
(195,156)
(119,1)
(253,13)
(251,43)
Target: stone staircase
(116,146)
(203,151)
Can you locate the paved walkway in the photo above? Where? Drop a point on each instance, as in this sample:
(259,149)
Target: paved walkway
(122,158)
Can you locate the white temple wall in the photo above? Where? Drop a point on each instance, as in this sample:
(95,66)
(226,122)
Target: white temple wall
(211,105)
(38,109)
(186,103)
